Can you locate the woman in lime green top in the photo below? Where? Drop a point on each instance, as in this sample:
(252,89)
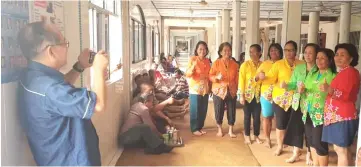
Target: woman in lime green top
(314,105)
(295,131)
(275,53)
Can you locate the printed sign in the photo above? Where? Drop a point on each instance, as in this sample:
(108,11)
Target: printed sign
(15,15)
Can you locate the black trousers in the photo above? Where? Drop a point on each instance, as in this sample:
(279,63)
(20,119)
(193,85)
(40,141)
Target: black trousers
(314,137)
(140,136)
(252,109)
(219,108)
(295,130)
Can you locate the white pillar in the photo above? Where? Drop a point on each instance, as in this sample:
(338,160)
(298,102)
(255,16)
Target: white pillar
(278,33)
(291,22)
(313,26)
(345,22)
(243,42)
(252,25)
(236,43)
(226,21)
(218,31)
(166,41)
(162,39)
(127,59)
(265,39)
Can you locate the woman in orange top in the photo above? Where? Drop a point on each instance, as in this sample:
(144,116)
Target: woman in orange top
(224,77)
(197,72)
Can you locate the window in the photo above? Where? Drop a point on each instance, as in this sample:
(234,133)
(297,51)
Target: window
(104,20)
(138,34)
(355,39)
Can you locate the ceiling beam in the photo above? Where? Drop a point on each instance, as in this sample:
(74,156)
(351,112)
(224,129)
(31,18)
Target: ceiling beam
(186,28)
(304,18)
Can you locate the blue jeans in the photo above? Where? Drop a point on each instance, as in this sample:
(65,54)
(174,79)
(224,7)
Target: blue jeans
(198,111)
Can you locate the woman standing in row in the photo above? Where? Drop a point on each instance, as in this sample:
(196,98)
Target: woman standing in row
(295,130)
(199,86)
(275,53)
(314,105)
(280,72)
(223,75)
(249,92)
(340,115)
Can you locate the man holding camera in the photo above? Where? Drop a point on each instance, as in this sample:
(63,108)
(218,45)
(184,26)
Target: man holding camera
(55,115)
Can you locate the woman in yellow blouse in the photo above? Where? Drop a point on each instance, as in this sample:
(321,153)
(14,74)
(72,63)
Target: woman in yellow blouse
(275,53)
(249,92)
(199,86)
(280,73)
(224,77)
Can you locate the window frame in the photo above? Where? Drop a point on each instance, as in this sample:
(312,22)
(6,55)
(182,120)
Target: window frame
(142,29)
(99,32)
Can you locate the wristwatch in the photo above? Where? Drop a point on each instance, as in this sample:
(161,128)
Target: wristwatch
(77,68)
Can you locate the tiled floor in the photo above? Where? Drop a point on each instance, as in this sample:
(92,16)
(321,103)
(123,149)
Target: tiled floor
(209,150)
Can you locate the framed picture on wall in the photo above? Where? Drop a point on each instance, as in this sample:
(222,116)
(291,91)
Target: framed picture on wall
(183,45)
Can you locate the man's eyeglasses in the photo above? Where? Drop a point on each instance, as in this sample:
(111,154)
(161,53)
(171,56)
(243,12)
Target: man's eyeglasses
(64,43)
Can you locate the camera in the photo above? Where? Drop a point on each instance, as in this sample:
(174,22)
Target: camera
(91,57)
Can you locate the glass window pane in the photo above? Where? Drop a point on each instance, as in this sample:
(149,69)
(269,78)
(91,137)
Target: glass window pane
(136,41)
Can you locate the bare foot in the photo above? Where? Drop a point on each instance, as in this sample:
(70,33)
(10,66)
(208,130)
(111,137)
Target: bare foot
(294,158)
(268,143)
(309,161)
(278,151)
(258,140)
(247,139)
(197,133)
(232,135)
(220,134)
(203,132)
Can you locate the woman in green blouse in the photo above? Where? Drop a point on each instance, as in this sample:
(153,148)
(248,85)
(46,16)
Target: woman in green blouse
(295,130)
(315,101)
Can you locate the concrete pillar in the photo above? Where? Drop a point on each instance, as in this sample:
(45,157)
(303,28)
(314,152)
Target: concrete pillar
(278,33)
(243,42)
(345,22)
(265,40)
(291,22)
(252,25)
(313,26)
(218,31)
(236,44)
(226,21)
(161,35)
(126,59)
(166,41)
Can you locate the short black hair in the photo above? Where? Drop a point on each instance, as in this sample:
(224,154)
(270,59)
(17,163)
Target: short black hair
(197,46)
(178,71)
(292,43)
(221,46)
(352,51)
(32,36)
(137,77)
(278,47)
(316,47)
(330,56)
(258,47)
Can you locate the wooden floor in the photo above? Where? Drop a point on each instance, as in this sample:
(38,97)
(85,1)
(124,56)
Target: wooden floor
(209,150)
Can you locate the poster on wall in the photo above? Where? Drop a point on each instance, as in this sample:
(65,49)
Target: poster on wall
(50,11)
(15,15)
